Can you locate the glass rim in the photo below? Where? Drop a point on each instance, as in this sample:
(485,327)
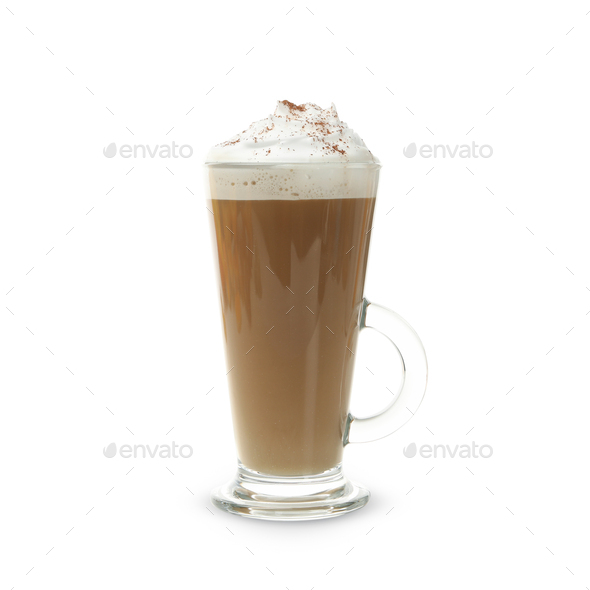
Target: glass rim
(369,165)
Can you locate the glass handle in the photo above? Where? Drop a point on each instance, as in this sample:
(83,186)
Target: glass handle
(415,375)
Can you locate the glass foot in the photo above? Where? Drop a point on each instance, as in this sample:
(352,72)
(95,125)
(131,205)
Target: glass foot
(256,495)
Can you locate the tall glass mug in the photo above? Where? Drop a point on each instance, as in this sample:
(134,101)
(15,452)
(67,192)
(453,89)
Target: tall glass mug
(291,243)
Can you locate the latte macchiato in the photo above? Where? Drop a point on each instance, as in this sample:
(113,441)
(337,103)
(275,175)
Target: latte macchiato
(292,243)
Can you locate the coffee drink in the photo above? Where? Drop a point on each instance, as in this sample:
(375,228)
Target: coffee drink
(291,243)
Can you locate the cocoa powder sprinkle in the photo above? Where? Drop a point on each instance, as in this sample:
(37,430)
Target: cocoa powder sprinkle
(293,107)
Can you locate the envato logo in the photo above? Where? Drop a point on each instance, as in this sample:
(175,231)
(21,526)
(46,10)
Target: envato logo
(463,151)
(147,452)
(472,451)
(145,151)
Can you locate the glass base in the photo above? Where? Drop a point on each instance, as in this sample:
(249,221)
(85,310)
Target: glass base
(256,495)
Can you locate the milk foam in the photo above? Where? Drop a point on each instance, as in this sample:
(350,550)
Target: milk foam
(302,133)
(299,152)
(292,181)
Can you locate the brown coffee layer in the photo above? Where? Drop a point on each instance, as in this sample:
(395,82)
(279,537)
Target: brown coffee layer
(291,276)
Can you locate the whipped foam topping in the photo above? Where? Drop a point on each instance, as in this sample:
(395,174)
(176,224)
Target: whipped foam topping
(303,133)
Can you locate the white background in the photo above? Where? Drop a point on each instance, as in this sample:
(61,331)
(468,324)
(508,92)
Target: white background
(110,331)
